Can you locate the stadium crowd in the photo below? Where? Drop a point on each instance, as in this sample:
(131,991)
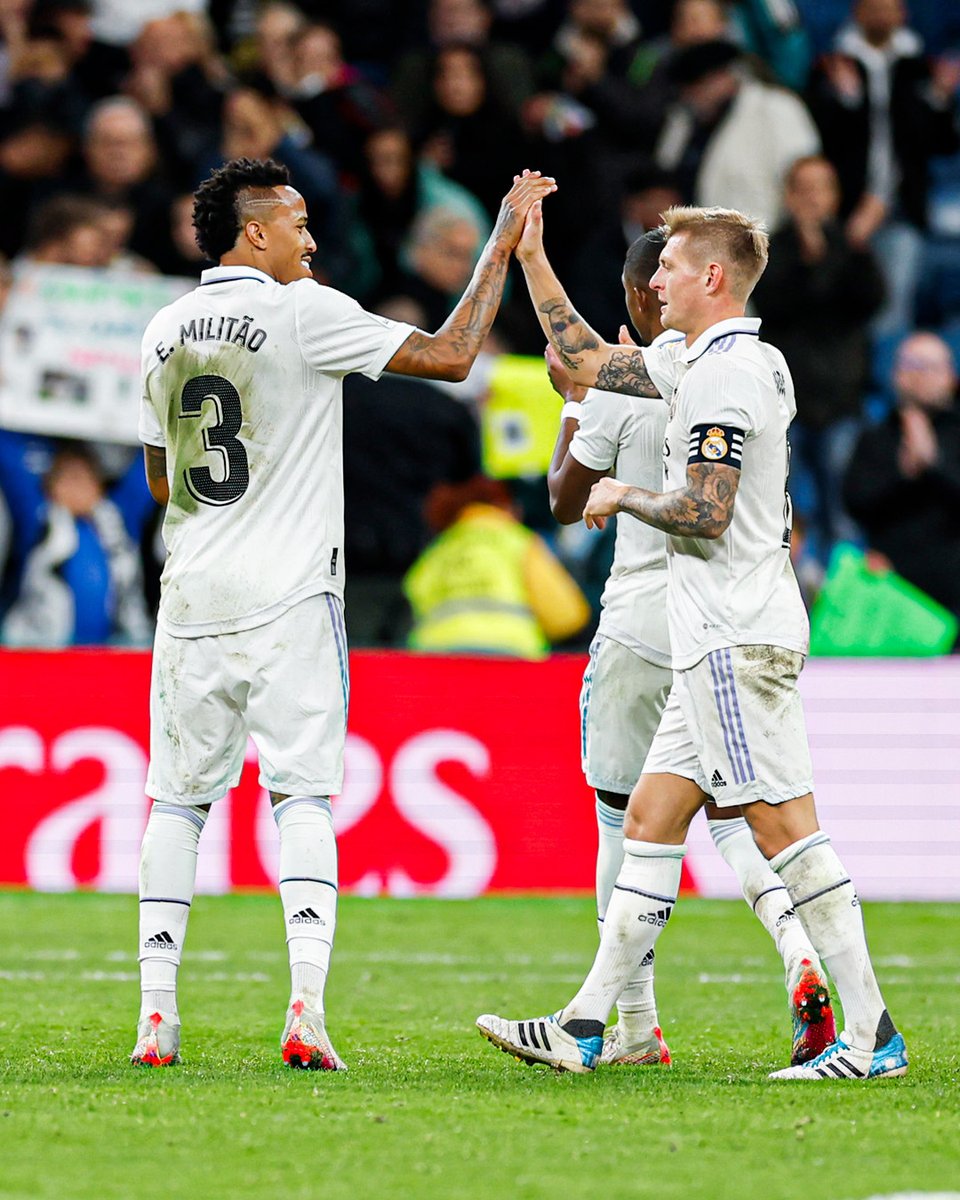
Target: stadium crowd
(402,122)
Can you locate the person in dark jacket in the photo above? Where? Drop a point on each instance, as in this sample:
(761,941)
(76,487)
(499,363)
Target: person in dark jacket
(884,110)
(816,298)
(903,485)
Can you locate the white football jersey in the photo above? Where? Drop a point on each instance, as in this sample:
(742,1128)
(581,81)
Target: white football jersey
(242,384)
(624,434)
(734,405)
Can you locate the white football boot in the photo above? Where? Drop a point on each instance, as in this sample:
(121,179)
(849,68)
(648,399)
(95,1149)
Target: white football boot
(158,1041)
(543,1040)
(305,1042)
(619,1049)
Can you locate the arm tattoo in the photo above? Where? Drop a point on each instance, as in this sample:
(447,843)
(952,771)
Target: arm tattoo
(568,333)
(156,458)
(626,372)
(703,509)
(457,343)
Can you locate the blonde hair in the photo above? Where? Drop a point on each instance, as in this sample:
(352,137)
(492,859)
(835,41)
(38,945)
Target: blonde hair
(739,242)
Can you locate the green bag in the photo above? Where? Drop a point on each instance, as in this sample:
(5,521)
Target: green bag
(865,613)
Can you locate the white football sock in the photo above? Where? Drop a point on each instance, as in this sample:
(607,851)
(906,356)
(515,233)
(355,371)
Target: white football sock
(642,901)
(308,890)
(637,1006)
(764,891)
(827,904)
(168,870)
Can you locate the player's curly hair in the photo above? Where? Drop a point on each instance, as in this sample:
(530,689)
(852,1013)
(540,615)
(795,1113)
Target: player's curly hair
(219,200)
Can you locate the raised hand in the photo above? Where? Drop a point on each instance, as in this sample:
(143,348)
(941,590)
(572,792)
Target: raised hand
(527,192)
(530,245)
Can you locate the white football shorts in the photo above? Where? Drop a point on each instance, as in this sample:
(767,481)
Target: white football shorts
(621,700)
(734,725)
(285,684)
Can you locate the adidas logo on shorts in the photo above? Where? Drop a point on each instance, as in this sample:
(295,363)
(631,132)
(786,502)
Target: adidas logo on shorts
(658,918)
(717,780)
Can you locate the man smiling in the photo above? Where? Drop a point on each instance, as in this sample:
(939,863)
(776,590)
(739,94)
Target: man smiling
(241,421)
(732,730)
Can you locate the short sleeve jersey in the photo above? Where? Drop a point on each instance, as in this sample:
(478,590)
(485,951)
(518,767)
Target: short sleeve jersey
(734,405)
(624,434)
(242,384)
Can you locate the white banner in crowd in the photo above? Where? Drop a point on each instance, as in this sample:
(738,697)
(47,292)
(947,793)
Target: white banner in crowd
(70,349)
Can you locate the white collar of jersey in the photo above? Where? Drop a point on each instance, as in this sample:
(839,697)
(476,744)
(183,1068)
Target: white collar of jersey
(231,274)
(732,325)
(666,338)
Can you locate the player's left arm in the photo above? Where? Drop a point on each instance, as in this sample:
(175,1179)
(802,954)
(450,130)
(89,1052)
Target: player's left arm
(155,465)
(702,509)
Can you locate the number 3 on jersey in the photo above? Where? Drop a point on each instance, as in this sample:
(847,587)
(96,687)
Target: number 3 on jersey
(220,438)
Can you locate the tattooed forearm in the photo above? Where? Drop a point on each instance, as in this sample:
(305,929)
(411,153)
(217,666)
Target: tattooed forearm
(625,372)
(703,509)
(450,352)
(569,335)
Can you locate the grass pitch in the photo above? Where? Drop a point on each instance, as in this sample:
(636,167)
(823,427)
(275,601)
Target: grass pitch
(428,1109)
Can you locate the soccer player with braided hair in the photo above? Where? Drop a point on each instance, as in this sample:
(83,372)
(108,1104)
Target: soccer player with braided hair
(241,420)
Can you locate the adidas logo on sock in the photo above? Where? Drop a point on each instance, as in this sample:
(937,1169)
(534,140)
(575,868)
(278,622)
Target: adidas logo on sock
(658,918)
(647,958)
(717,780)
(160,941)
(788,914)
(306,916)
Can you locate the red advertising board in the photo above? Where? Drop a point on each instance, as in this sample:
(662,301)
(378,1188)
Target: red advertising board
(462,776)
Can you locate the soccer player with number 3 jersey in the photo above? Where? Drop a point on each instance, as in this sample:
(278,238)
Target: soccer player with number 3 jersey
(241,419)
(732,730)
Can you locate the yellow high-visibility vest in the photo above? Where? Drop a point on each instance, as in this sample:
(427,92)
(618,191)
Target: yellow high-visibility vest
(468,592)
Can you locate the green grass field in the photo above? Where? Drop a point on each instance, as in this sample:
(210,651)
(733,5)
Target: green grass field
(428,1109)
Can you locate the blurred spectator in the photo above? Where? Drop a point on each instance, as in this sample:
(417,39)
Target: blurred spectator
(460,23)
(69,229)
(178,77)
(731,138)
(121,164)
(444,245)
(884,111)
(97,69)
(119,22)
(487,584)
(395,189)
(270,51)
(773,31)
(33,159)
(466,132)
(903,485)
(816,297)
(179,253)
(334,100)
(82,584)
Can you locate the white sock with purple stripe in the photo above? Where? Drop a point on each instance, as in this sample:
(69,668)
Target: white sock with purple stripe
(826,902)
(763,890)
(641,904)
(637,1005)
(308,890)
(168,872)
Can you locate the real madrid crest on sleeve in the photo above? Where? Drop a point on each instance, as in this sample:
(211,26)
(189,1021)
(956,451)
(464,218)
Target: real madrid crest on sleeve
(716,444)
